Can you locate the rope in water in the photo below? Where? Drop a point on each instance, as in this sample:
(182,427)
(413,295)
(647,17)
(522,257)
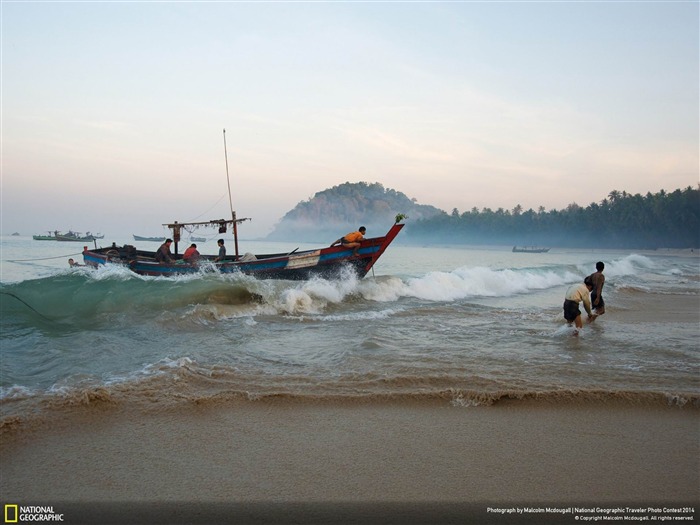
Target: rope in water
(45,258)
(27,305)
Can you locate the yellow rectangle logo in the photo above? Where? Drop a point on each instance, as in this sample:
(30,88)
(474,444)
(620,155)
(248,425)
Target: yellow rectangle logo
(10,511)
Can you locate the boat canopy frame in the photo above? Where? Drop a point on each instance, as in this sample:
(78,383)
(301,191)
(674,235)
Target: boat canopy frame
(222,224)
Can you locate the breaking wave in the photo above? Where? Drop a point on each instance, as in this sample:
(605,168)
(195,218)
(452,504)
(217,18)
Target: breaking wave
(85,294)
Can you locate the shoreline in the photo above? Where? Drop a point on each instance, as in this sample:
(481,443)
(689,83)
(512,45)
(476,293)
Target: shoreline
(380,454)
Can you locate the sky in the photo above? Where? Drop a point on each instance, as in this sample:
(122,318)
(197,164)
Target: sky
(113,112)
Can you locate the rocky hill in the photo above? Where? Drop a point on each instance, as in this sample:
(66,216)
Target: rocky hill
(336,211)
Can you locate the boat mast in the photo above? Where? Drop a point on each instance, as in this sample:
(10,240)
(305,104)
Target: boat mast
(221,223)
(230,202)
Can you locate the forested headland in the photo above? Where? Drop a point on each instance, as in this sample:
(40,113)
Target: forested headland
(335,211)
(620,220)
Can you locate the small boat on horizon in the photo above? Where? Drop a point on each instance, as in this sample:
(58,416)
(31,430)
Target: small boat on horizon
(529,249)
(148,239)
(71,236)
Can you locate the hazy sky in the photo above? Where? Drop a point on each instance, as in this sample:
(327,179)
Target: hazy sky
(112,113)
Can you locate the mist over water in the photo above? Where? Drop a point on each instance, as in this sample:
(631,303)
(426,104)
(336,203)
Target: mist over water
(468,326)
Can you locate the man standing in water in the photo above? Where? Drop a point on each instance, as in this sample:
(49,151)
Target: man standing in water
(598,280)
(578,293)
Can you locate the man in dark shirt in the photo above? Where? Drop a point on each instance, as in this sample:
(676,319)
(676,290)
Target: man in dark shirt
(222,251)
(163,254)
(597,294)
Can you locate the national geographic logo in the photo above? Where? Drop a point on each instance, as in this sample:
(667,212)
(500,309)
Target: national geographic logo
(30,513)
(11,513)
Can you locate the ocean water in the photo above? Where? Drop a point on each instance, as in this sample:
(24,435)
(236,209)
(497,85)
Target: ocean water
(467,326)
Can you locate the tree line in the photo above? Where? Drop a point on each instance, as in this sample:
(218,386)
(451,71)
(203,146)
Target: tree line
(621,220)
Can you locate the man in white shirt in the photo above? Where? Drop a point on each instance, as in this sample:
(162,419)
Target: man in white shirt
(578,293)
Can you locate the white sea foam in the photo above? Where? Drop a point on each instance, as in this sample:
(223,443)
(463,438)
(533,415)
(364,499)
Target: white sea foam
(630,265)
(16,392)
(294,301)
(360,316)
(106,272)
(568,331)
(312,297)
(467,282)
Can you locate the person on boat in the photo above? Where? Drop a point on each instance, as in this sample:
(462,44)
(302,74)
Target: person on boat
(222,251)
(598,280)
(72,263)
(578,293)
(163,254)
(191,254)
(352,240)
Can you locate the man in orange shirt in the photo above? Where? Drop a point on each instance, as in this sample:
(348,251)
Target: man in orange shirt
(352,240)
(191,254)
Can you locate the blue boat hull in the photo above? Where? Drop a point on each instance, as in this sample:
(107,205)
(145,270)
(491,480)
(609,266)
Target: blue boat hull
(324,262)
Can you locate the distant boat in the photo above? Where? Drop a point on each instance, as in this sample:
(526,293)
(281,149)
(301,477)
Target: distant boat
(529,249)
(71,236)
(149,239)
(44,237)
(198,239)
(76,237)
(15,234)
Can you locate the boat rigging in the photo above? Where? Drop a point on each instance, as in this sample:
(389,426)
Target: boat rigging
(222,224)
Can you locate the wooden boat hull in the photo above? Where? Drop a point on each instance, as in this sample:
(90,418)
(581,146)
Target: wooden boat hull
(323,262)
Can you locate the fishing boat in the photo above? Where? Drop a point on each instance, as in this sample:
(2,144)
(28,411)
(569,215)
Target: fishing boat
(49,237)
(529,249)
(327,262)
(148,239)
(71,236)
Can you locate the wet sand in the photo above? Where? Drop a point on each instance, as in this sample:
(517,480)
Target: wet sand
(515,452)
(654,308)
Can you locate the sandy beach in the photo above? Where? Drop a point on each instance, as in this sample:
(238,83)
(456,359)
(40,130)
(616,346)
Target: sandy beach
(331,456)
